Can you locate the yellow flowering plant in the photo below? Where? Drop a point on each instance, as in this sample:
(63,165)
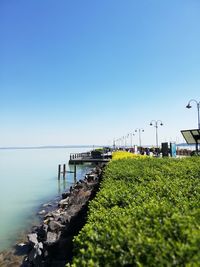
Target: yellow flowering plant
(126,155)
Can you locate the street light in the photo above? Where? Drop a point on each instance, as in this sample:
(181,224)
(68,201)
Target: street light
(123,141)
(198,107)
(155,124)
(118,142)
(139,130)
(131,138)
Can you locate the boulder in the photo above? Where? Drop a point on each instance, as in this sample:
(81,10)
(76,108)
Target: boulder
(42,212)
(63,203)
(52,238)
(32,238)
(65,195)
(55,226)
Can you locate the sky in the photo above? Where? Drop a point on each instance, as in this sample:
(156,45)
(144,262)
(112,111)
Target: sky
(88,72)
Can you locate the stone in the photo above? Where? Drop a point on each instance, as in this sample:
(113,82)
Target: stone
(65,195)
(55,226)
(52,238)
(32,238)
(14,264)
(65,218)
(53,214)
(42,232)
(35,252)
(47,205)
(21,244)
(1,257)
(63,202)
(59,225)
(42,212)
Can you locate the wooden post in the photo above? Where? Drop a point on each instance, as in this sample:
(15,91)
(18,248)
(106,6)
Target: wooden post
(74,173)
(64,171)
(59,171)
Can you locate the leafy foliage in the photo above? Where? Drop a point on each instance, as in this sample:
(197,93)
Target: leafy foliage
(147,213)
(124,154)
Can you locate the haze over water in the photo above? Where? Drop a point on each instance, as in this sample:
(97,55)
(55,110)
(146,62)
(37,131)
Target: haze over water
(28,178)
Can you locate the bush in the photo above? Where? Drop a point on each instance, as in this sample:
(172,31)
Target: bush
(146,213)
(195,153)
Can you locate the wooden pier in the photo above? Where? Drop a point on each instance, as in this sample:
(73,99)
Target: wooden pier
(80,158)
(62,170)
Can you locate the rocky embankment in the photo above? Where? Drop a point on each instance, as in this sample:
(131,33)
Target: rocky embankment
(50,244)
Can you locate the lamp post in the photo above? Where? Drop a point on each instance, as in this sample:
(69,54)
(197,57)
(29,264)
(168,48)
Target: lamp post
(131,138)
(118,143)
(123,141)
(155,124)
(139,130)
(114,144)
(198,107)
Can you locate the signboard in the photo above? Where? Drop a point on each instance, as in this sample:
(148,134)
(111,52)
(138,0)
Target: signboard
(173,150)
(165,149)
(191,136)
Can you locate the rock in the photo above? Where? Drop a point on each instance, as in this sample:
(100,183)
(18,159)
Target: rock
(42,232)
(63,202)
(47,205)
(65,195)
(22,249)
(65,218)
(91,177)
(79,186)
(21,244)
(55,226)
(59,226)
(36,250)
(14,264)
(42,212)
(32,238)
(53,214)
(1,257)
(52,238)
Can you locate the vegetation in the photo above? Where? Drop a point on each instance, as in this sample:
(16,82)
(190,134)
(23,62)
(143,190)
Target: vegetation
(126,155)
(195,153)
(147,213)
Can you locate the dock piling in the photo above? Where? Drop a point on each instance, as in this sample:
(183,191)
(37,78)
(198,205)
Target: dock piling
(64,171)
(74,173)
(59,171)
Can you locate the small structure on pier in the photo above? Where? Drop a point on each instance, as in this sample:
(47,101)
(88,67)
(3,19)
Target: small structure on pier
(95,157)
(90,157)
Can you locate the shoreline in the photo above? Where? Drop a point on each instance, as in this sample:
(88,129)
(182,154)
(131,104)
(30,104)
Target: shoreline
(15,252)
(19,253)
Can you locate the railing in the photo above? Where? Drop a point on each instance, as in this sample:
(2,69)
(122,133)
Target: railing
(80,155)
(183,152)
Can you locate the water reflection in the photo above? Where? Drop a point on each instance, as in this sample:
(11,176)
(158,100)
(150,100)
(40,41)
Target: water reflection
(70,178)
(62,185)
(25,195)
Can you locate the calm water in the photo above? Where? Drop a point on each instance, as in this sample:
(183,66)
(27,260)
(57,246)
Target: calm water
(28,178)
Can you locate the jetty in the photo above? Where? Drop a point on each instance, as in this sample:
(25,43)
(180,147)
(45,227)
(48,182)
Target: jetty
(90,157)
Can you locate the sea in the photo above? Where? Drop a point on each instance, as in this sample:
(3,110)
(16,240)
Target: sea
(29,180)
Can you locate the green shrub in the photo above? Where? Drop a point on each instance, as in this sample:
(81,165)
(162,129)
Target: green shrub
(147,213)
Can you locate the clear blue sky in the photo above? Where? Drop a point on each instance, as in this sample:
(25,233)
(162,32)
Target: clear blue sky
(85,72)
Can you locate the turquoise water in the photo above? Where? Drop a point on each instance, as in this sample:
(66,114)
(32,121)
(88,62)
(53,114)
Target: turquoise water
(28,178)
